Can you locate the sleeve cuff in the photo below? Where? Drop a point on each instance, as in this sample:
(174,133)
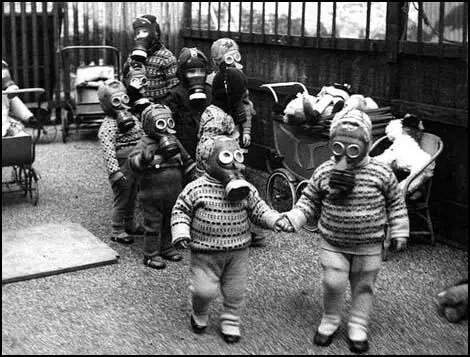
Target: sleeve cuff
(179,231)
(297,218)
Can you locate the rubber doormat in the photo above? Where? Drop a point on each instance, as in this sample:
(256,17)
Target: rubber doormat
(51,249)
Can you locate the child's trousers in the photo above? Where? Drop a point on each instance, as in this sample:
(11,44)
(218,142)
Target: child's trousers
(124,201)
(361,272)
(227,272)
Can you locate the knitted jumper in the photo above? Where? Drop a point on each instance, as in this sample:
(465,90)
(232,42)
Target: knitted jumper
(360,218)
(213,223)
(161,73)
(113,142)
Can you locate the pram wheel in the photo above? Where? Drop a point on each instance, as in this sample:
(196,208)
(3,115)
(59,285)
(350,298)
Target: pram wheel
(280,190)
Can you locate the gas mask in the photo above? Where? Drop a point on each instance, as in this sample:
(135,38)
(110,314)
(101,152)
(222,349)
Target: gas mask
(135,81)
(192,72)
(225,164)
(114,102)
(349,149)
(139,51)
(226,53)
(231,59)
(159,125)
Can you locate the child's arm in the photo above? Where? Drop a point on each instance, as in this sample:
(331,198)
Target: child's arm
(181,216)
(397,212)
(107,137)
(308,206)
(261,214)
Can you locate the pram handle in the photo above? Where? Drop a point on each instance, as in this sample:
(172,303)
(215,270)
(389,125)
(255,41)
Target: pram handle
(271,87)
(24,90)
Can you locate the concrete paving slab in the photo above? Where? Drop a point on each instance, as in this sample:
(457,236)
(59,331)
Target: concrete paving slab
(51,249)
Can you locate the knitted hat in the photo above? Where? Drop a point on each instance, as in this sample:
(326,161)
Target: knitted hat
(230,82)
(220,47)
(191,58)
(151,114)
(350,120)
(106,91)
(149,22)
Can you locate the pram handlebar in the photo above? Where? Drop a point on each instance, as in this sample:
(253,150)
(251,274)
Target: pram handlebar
(24,90)
(271,87)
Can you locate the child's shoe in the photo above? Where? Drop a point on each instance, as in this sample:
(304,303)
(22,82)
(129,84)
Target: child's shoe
(323,340)
(197,328)
(358,346)
(231,338)
(155,262)
(122,238)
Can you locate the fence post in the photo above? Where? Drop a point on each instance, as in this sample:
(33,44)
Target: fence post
(394,28)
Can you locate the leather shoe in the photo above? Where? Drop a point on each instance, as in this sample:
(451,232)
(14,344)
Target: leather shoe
(172,255)
(230,338)
(155,262)
(197,328)
(358,346)
(323,340)
(122,238)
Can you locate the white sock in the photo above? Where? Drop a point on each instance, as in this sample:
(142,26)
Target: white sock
(357,331)
(329,324)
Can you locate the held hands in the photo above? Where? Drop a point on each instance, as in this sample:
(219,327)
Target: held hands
(182,244)
(283,224)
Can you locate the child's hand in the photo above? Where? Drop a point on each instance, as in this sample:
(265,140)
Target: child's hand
(182,244)
(146,157)
(246,140)
(399,244)
(283,224)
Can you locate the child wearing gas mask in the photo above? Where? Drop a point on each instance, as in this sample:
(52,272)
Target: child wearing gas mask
(190,97)
(14,111)
(118,134)
(211,216)
(225,115)
(159,61)
(163,166)
(353,197)
(225,53)
(135,80)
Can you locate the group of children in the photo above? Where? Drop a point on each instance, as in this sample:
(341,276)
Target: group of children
(174,139)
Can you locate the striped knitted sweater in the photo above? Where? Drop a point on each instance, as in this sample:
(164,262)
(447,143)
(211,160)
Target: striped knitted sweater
(161,73)
(213,223)
(161,68)
(359,219)
(116,144)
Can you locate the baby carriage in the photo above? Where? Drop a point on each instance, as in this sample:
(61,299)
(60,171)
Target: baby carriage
(19,152)
(82,106)
(299,150)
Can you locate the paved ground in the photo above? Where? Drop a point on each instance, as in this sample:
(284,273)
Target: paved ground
(127,308)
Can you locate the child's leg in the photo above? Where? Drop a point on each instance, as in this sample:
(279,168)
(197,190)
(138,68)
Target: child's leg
(335,281)
(133,181)
(204,273)
(364,271)
(152,221)
(233,286)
